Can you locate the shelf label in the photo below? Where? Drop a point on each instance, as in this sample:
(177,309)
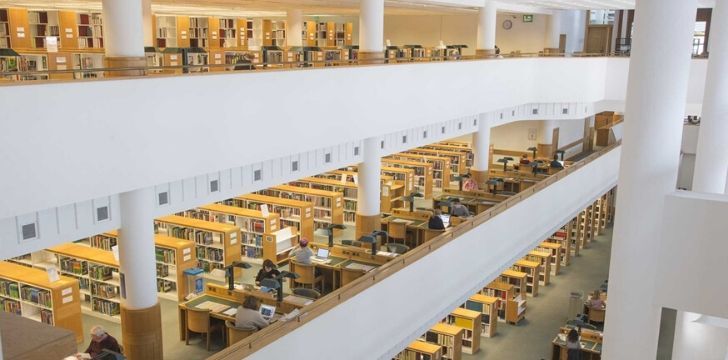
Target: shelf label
(186,251)
(68,299)
(233,241)
(66,291)
(187,258)
(53,275)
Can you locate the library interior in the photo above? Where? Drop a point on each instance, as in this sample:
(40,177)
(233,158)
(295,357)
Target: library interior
(440,179)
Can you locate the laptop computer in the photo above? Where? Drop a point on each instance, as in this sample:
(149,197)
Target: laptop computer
(267,311)
(322,255)
(445,219)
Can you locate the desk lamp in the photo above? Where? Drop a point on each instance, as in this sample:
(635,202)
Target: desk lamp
(371,239)
(330,230)
(561,154)
(411,199)
(535,165)
(277,283)
(533,150)
(505,161)
(230,273)
(495,183)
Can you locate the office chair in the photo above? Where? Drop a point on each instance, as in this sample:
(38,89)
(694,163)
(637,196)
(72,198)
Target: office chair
(307,293)
(397,248)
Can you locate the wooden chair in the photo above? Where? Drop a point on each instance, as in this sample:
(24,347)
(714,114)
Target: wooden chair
(198,321)
(397,231)
(236,334)
(430,234)
(349,275)
(306,275)
(596,315)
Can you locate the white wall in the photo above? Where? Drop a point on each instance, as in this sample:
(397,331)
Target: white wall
(524,37)
(696,338)
(425,291)
(135,133)
(514,136)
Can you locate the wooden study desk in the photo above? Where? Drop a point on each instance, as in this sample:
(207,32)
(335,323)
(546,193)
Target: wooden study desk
(343,258)
(590,341)
(474,203)
(220,299)
(416,226)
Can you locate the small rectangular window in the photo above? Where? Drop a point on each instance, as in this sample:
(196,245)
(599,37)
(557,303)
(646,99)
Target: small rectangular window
(327,158)
(102,213)
(534,111)
(356,151)
(381,144)
(404,139)
(29,231)
(565,111)
(214,185)
(257,175)
(460,126)
(424,134)
(294,166)
(163,198)
(443,130)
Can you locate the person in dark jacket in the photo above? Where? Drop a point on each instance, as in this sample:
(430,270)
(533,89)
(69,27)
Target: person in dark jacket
(101,340)
(268,271)
(555,164)
(435,222)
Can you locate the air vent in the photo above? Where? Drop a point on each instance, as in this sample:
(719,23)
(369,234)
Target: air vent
(534,111)
(501,116)
(163,198)
(460,126)
(381,144)
(356,151)
(327,158)
(102,213)
(565,111)
(424,134)
(257,175)
(214,185)
(442,129)
(294,165)
(29,231)
(404,139)
(475,122)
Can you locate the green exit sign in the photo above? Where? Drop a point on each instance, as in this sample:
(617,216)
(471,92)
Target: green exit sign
(527,18)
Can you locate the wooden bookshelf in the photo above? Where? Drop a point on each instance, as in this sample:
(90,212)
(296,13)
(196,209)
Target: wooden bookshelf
(532,269)
(328,206)
(421,350)
(466,150)
(404,175)
(227,33)
(274,33)
(166,31)
(97,272)
(27,292)
(517,279)
(575,235)
(457,159)
(544,259)
(511,307)
(450,337)
(563,238)
(440,167)
(348,190)
(470,321)
(216,244)
(278,244)
(173,257)
(298,214)
(199,32)
(4,29)
(488,308)
(423,174)
(252,223)
(42,24)
(391,192)
(90,31)
(557,255)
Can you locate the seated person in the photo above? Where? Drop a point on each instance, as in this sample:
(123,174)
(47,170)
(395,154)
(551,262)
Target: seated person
(435,222)
(249,316)
(555,164)
(268,271)
(469,184)
(458,209)
(524,160)
(595,301)
(101,340)
(302,253)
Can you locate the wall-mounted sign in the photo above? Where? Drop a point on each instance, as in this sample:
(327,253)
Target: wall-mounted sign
(528,18)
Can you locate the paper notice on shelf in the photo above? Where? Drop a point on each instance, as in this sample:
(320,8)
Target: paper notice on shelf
(264,210)
(61,67)
(53,275)
(68,299)
(61,60)
(343,179)
(173,57)
(186,251)
(69,31)
(115,252)
(218,56)
(187,258)
(69,36)
(356,180)
(20,29)
(233,241)
(21,35)
(66,291)
(172,63)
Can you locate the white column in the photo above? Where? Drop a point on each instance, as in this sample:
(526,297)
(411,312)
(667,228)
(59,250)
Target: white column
(575,31)
(553,30)
(699,337)
(147,23)
(711,159)
(487,26)
(371,26)
(481,145)
(546,132)
(294,23)
(369,178)
(123,28)
(136,249)
(656,93)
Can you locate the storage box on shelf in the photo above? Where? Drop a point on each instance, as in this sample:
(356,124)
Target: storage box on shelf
(487,306)
(253,225)
(470,321)
(421,350)
(298,214)
(423,174)
(328,206)
(532,270)
(29,293)
(449,337)
(216,244)
(97,272)
(440,167)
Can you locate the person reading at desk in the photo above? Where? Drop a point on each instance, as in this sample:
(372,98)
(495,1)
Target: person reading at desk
(248,315)
(596,302)
(458,209)
(573,347)
(524,160)
(101,340)
(268,271)
(435,222)
(302,253)
(469,184)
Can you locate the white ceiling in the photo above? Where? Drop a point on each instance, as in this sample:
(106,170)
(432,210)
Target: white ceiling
(272,8)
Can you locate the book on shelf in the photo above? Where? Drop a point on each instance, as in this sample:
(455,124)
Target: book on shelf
(36,296)
(10,289)
(106,307)
(164,285)
(105,291)
(166,256)
(100,272)
(10,306)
